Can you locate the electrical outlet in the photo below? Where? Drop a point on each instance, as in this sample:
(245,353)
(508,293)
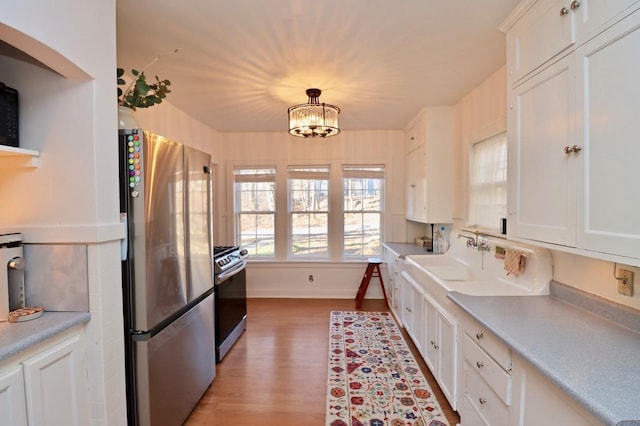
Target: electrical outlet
(625,282)
(310,278)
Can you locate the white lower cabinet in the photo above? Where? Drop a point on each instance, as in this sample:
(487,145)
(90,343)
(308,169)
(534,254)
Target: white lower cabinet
(46,386)
(434,331)
(501,388)
(412,310)
(13,409)
(542,402)
(392,285)
(441,347)
(486,378)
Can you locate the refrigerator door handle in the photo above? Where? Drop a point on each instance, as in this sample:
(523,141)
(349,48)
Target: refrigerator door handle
(124,242)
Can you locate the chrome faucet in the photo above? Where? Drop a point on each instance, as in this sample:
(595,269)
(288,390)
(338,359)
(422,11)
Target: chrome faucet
(471,242)
(482,244)
(478,245)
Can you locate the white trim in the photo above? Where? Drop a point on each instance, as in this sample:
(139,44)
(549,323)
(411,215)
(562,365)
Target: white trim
(69,234)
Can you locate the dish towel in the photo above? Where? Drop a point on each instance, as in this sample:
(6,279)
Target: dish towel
(513,262)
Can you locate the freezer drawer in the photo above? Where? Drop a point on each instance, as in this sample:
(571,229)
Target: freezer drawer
(175,367)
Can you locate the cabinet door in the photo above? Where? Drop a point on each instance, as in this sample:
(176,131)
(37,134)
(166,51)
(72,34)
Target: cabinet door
(542,402)
(416,185)
(13,410)
(447,368)
(607,71)
(56,385)
(541,178)
(593,14)
(417,331)
(407,304)
(395,288)
(547,29)
(430,313)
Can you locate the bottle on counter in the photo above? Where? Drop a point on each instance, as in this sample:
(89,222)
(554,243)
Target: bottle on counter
(437,242)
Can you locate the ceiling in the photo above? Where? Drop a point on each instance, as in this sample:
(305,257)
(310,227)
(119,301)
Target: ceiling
(242,63)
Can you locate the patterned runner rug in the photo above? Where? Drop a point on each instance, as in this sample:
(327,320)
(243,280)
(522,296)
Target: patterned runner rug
(373,378)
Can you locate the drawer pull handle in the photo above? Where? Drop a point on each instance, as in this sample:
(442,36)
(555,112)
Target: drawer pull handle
(479,336)
(482,400)
(433,343)
(575,4)
(480,364)
(435,346)
(564,11)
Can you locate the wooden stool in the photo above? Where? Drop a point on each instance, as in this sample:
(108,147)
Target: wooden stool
(373,270)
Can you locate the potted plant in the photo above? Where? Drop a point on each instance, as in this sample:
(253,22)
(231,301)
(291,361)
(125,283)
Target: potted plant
(140,93)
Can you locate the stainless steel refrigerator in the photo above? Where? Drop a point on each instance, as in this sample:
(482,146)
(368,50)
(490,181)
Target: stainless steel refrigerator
(165,199)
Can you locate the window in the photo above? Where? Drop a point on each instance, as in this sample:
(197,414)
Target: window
(488,182)
(255,209)
(363,207)
(309,211)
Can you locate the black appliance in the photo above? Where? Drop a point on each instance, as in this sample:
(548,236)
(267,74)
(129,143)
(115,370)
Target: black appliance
(230,296)
(9,116)
(165,200)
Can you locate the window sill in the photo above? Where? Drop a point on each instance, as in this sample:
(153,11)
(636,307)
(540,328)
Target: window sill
(306,263)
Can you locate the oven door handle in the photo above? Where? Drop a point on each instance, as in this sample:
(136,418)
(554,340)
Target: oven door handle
(232,272)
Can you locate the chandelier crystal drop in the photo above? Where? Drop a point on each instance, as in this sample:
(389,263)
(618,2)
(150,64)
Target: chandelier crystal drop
(313,119)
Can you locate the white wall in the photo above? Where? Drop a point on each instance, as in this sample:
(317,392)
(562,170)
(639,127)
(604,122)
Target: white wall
(70,116)
(482,113)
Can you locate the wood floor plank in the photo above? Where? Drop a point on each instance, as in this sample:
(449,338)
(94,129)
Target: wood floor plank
(276,374)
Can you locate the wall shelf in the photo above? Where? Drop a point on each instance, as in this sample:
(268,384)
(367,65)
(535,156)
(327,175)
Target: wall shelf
(18,157)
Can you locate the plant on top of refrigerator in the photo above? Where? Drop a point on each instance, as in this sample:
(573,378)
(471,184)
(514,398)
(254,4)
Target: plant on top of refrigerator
(141,93)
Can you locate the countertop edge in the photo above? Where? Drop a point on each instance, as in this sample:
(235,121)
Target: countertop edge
(18,337)
(404,249)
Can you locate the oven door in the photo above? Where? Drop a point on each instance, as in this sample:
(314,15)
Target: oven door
(230,307)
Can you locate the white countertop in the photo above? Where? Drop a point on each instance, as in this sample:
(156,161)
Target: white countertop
(19,336)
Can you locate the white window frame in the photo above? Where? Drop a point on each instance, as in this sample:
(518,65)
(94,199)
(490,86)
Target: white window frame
(265,174)
(360,171)
(488,182)
(313,172)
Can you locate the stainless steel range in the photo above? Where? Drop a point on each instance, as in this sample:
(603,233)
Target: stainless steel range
(230,296)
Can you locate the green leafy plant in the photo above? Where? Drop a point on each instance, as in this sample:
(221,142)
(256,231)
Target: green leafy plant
(139,93)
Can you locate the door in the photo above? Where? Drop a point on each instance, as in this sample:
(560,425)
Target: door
(541,177)
(159,279)
(607,70)
(175,367)
(198,235)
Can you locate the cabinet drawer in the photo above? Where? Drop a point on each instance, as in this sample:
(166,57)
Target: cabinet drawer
(482,398)
(478,360)
(491,345)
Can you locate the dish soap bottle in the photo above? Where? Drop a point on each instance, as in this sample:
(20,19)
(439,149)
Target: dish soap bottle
(444,244)
(437,242)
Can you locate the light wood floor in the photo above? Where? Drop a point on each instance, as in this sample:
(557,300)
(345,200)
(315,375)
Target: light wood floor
(276,373)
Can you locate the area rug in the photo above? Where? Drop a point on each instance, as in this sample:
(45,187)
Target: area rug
(374,380)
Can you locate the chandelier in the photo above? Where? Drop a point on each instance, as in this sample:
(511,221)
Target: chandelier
(313,118)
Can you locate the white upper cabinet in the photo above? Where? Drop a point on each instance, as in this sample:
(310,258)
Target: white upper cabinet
(541,176)
(573,131)
(549,28)
(608,129)
(429,166)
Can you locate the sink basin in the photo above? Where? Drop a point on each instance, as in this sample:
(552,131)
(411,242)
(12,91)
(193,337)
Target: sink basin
(450,272)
